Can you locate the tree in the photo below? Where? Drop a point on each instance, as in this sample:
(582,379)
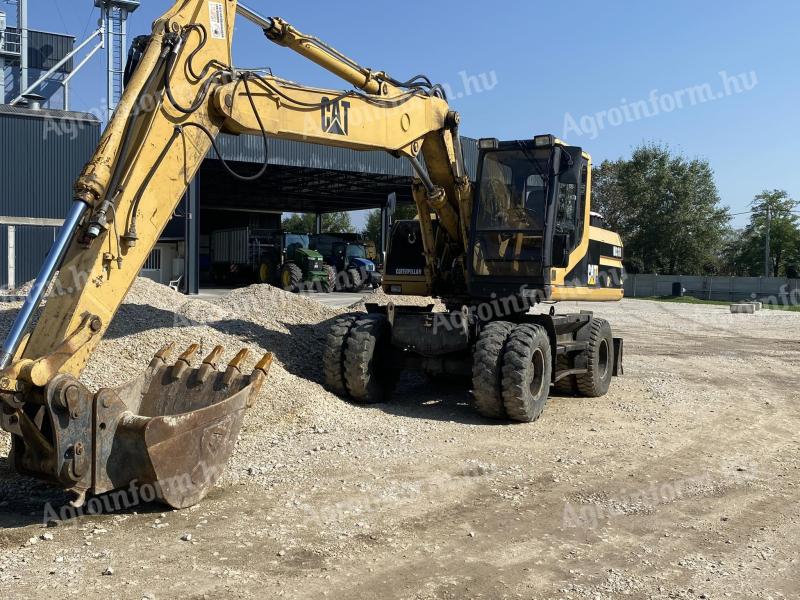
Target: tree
(666,208)
(372,229)
(337,222)
(784,236)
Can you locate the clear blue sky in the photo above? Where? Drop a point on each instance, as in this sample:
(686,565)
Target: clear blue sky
(547,65)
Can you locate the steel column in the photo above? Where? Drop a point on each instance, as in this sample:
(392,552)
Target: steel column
(191,253)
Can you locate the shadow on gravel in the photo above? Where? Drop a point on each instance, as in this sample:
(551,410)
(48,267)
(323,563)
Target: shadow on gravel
(26,501)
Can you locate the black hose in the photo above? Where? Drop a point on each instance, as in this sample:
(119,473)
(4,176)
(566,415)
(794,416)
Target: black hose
(212,138)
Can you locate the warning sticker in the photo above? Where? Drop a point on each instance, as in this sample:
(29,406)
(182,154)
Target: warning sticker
(217,14)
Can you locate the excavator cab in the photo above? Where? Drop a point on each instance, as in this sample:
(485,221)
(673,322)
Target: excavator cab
(531,220)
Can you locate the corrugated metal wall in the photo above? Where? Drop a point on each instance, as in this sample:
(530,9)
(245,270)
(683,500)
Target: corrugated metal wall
(42,156)
(43,153)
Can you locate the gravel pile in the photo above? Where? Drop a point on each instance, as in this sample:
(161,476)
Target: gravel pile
(261,318)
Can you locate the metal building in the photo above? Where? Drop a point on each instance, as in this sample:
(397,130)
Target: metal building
(302,177)
(43,152)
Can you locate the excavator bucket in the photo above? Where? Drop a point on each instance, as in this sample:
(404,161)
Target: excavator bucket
(166,435)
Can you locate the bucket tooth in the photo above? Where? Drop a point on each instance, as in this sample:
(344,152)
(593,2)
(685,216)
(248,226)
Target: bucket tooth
(182,363)
(210,364)
(264,364)
(257,378)
(161,357)
(213,357)
(235,366)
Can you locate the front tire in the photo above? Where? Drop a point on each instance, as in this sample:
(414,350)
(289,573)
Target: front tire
(330,284)
(367,374)
(527,372)
(599,359)
(354,277)
(291,277)
(334,353)
(487,370)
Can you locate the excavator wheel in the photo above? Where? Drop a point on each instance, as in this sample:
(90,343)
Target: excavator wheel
(487,370)
(333,355)
(599,359)
(367,373)
(527,369)
(565,386)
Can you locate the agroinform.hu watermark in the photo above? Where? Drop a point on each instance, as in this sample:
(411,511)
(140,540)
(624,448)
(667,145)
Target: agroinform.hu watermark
(657,104)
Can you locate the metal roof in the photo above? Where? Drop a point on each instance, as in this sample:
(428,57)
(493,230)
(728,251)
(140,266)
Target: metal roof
(305,177)
(250,149)
(48,113)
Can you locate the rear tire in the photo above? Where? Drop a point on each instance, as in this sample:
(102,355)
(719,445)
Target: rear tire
(266,272)
(367,374)
(487,370)
(333,355)
(599,359)
(527,370)
(291,277)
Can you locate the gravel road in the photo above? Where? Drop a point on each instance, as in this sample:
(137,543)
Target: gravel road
(681,483)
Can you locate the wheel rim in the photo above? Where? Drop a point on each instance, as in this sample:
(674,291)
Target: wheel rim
(286,279)
(603,358)
(263,273)
(537,381)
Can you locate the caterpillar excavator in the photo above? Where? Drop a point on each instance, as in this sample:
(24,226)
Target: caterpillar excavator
(523,235)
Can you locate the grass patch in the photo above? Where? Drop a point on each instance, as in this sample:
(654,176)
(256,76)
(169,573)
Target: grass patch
(693,300)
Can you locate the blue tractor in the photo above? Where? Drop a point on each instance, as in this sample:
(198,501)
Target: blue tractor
(347,254)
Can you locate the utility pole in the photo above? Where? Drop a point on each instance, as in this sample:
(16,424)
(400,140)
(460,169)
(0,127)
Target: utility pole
(767,266)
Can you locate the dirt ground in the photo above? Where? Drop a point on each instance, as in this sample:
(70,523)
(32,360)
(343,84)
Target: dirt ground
(681,483)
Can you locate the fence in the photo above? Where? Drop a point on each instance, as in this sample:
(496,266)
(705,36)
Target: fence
(714,288)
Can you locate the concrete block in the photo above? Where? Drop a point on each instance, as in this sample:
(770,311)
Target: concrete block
(748,309)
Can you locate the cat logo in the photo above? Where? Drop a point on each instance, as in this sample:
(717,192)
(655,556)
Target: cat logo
(335,116)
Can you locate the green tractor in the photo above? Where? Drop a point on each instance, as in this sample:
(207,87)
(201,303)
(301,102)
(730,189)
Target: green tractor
(269,256)
(287,260)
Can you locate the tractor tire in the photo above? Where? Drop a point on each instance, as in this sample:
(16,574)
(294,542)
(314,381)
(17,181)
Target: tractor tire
(367,375)
(341,284)
(599,359)
(330,284)
(266,272)
(333,354)
(565,386)
(355,280)
(291,277)
(487,370)
(527,370)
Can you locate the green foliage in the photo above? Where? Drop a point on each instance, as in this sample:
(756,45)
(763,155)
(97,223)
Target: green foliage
(337,222)
(745,253)
(666,208)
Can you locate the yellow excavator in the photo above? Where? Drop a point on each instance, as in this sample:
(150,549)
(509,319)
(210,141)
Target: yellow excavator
(525,233)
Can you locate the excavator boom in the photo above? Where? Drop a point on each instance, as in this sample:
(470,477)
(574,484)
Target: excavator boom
(175,423)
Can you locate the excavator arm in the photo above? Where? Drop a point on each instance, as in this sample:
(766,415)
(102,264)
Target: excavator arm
(175,427)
